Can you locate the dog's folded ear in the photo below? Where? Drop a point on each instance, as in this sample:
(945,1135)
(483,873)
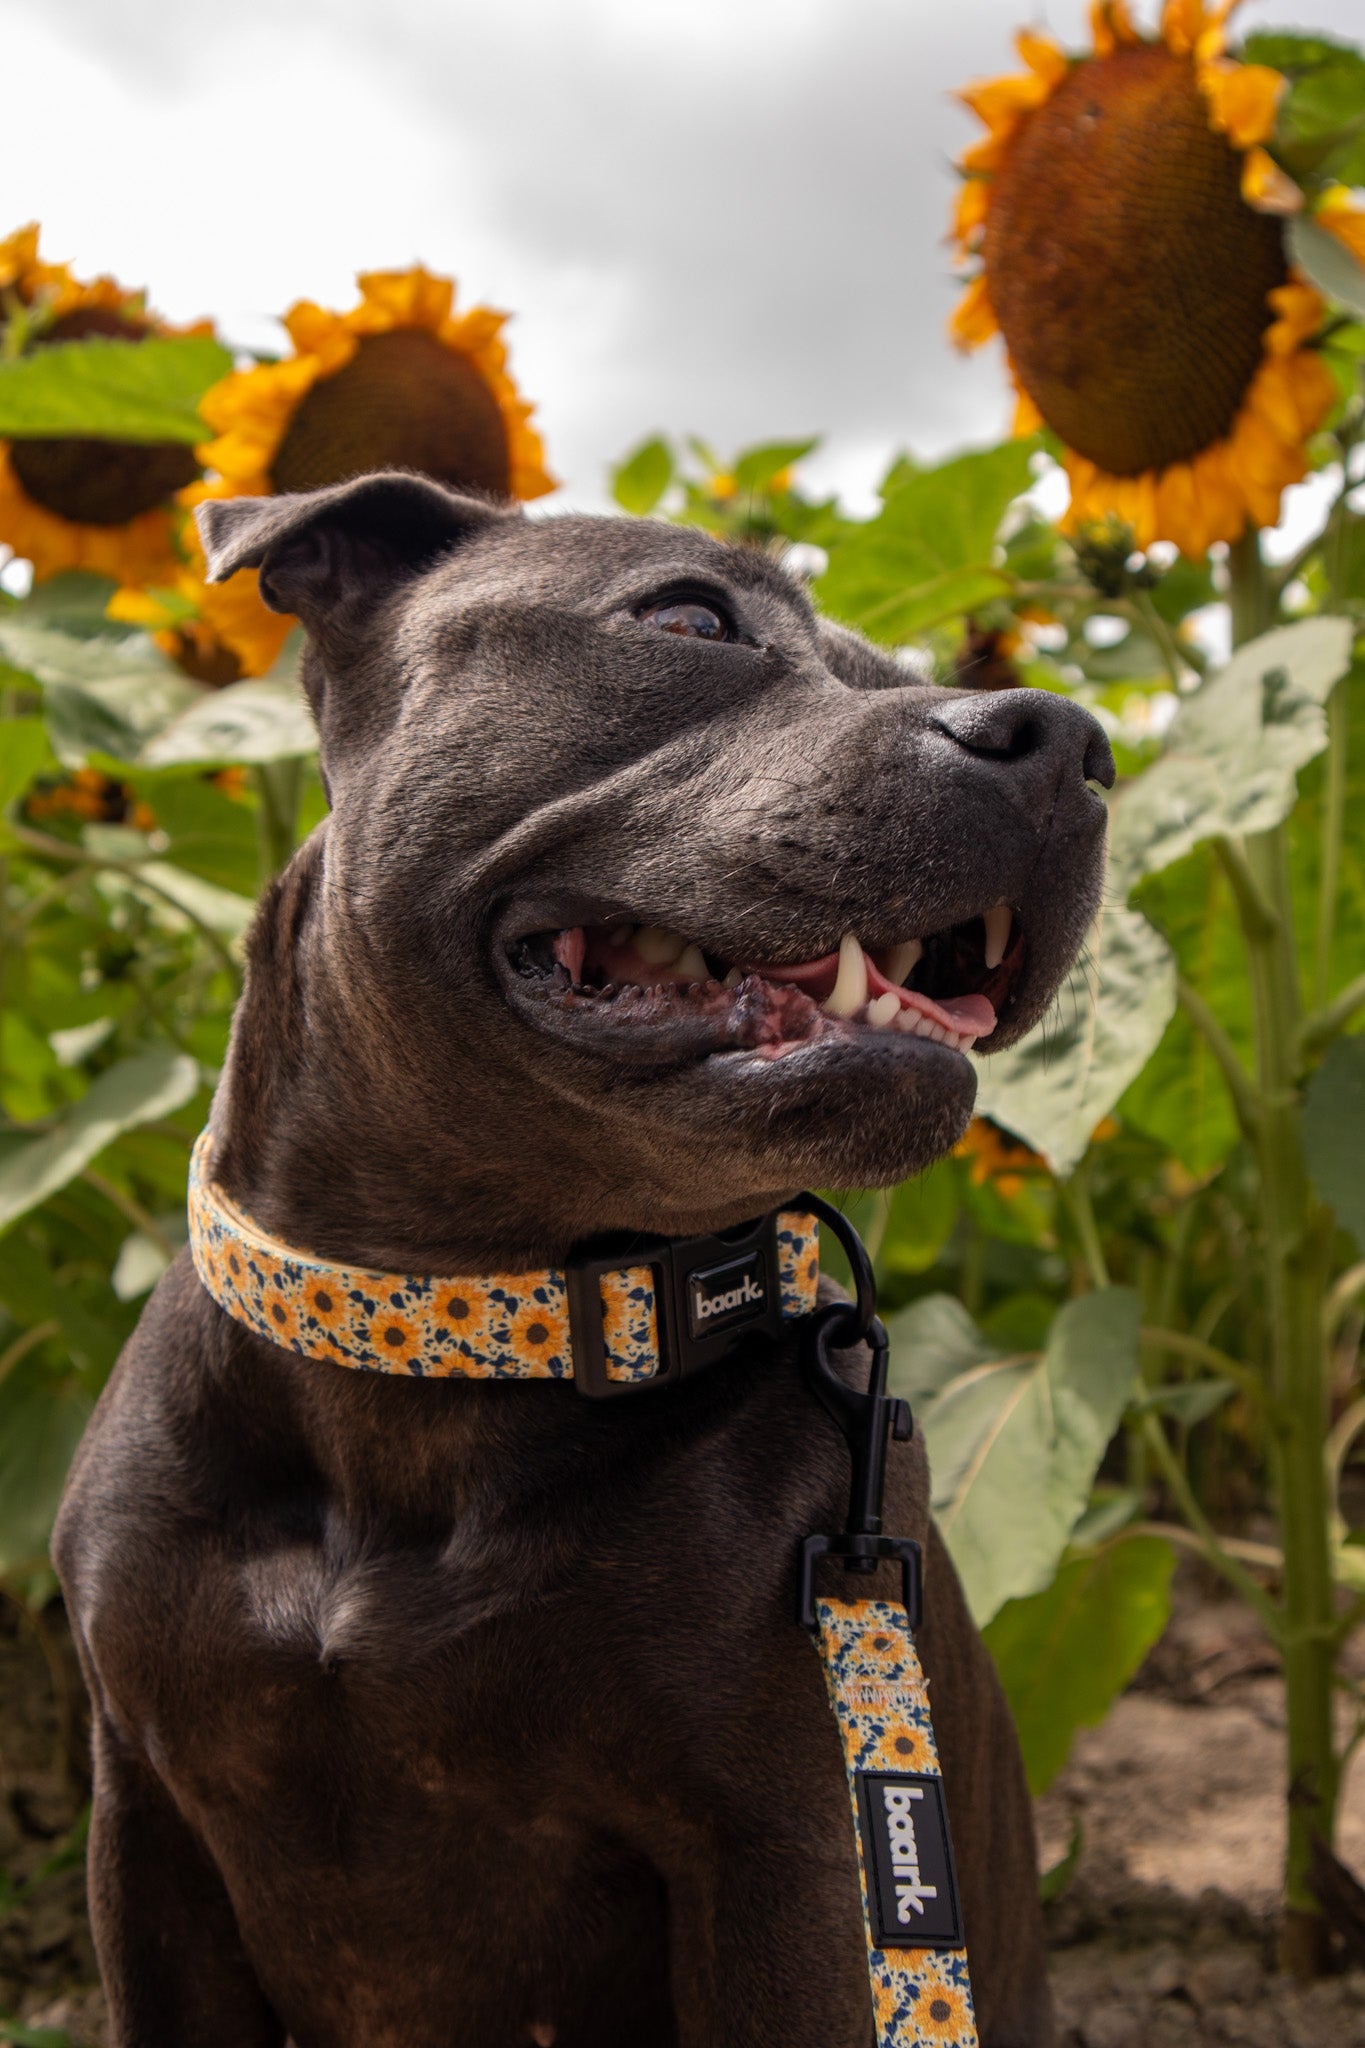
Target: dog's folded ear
(320,553)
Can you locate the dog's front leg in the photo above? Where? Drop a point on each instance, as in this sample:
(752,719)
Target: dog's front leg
(766,1944)
(175,1972)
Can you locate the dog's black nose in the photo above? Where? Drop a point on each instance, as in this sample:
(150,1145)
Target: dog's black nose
(1055,737)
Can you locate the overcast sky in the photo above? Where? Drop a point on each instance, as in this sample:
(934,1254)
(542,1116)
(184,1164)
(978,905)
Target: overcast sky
(716,215)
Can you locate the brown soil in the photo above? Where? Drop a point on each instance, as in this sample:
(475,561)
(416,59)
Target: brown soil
(1162,1939)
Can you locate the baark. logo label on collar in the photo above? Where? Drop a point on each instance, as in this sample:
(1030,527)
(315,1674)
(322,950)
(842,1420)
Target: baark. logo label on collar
(718,1297)
(908,1855)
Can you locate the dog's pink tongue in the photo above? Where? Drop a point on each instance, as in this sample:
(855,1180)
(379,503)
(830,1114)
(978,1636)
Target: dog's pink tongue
(968,1016)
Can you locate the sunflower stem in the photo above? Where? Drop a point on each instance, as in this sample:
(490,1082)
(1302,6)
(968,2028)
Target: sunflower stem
(1338,736)
(1297,1235)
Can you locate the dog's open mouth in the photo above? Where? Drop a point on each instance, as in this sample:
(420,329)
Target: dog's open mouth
(948,987)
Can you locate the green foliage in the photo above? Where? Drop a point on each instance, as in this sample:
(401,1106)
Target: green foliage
(929,555)
(1015,1443)
(111,390)
(1334,1134)
(1066,1653)
(1056,1085)
(136,1091)
(1233,752)
(1327,263)
(1321,124)
(638,483)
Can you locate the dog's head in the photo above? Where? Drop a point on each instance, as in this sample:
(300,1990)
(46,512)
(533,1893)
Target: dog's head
(645,875)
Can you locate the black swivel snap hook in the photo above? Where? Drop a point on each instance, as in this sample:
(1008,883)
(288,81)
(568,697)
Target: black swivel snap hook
(869,1419)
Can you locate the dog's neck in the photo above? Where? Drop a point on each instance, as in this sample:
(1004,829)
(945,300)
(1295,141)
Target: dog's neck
(325,1131)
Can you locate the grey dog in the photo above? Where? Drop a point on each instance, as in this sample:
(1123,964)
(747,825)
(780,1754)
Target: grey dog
(447,1714)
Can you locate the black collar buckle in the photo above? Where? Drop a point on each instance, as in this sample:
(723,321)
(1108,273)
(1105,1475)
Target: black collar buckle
(869,1421)
(710,1294)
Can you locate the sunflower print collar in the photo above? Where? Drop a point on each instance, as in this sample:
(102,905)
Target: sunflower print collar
(488,1326)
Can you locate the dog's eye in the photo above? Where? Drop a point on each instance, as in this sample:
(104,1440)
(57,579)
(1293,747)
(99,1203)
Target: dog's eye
(689,616)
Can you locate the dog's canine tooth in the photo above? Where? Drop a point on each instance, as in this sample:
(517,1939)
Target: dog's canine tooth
(849,992)
(902,960)
(998,923)
(882,1013)
(692,965)
(658,947)
(732,979)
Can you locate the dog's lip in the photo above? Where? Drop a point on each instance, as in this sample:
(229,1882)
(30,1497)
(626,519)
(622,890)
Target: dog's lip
(765,1010)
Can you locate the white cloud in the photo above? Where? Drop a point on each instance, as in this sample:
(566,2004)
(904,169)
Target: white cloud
(723,215)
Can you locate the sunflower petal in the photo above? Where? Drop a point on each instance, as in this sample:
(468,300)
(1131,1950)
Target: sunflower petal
(969,215)
(1243,99)
(1046,59)
(1338,212)
(1001,102)
(1111,27)
(974,320)
(1268,188)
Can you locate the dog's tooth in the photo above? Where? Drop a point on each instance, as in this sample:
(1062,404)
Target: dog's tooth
(850,984)
(657,946)
(732,979)
(621,934)
(882,1013)
(902,960)
(998,923)
(692,965)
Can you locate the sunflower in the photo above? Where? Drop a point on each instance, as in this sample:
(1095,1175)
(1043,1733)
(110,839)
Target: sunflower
(216,632)
(1129,221)
(941,2013)
(72,502)
(400,382)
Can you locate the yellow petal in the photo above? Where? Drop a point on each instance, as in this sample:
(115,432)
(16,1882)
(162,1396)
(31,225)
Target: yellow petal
(1340,215)
(984,155)
(1266,187)
(969,215)
(974,320)
(1043,57)
(1271,398)
(1313,386)
(1027,418)
(1111,25)
(999,102)
(1242,100)
(1180,517)
(1182,23)
(1299,313)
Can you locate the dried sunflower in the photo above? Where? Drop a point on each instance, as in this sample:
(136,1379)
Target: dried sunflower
(72,502)
(1130,225)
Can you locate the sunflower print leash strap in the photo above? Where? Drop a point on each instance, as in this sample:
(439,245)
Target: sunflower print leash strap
(921,1997)
(489,1326)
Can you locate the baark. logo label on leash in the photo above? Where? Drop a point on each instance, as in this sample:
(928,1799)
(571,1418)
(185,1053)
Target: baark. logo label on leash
(718,1297)
(908,1855)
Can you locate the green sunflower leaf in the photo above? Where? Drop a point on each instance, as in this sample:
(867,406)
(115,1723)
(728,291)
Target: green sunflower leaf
(1328,263)
(1059,1082)
(1014,1445)
(1334,1133)
(136,1091)
(109,390)
(1233,751)
(929,555)
(1064,1655)
(641,480)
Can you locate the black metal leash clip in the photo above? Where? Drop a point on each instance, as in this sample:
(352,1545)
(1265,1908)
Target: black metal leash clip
(868,1420)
